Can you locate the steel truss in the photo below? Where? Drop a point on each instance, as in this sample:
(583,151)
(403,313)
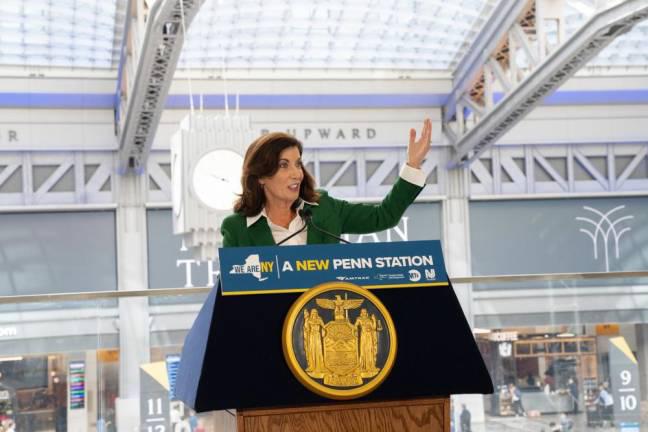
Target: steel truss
(156,59)
(29,179)
(476,118)
(560,170)
(56,178)
(345,173)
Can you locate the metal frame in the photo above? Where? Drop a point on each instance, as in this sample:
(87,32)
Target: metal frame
(503,172)
(345,173)
(564,170)
(156,59)
(161,292)
(480,120)
(98,167)
(501,19)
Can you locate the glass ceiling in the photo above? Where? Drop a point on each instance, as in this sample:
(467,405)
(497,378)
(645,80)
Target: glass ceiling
(280,34)
(630,49)
(67,33)
(319,34)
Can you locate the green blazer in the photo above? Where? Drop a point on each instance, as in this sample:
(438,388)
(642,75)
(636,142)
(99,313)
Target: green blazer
(333,215)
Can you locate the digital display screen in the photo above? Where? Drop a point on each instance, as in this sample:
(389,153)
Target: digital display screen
(172,364)
(77,385)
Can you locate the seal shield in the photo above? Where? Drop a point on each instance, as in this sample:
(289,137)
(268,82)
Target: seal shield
(339,340)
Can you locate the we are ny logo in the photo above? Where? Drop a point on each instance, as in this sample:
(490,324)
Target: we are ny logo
(602,227)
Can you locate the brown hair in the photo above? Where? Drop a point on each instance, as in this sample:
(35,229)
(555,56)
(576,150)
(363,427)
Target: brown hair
(262,160)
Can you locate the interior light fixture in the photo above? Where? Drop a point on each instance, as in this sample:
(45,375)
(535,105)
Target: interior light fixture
(566,335)
(7,359)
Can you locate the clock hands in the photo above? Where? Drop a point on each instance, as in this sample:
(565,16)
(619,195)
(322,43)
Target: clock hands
(223,179)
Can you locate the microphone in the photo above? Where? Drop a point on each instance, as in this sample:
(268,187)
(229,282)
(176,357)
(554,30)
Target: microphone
(307,215)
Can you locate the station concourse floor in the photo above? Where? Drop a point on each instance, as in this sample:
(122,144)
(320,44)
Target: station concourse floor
(539,424)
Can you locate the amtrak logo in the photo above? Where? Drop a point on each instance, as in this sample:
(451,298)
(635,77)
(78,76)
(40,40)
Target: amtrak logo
(253,266)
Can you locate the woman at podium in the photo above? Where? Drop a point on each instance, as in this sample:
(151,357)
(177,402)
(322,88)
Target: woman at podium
(280,205)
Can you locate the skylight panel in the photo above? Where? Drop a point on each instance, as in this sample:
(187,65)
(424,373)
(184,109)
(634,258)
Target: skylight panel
(62,33)
(379,34)
(630,49)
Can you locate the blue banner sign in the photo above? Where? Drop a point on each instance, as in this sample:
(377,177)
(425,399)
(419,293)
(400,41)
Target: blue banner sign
(284,269)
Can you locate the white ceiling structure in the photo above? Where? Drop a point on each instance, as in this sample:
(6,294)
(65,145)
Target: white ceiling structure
(422,35)
(360,34)
(61,33)
(630,49)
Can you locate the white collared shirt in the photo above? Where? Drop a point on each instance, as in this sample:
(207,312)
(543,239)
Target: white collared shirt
(412,175)
(279,233)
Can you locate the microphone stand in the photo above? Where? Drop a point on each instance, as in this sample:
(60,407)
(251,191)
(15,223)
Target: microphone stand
(307,215)
(293,234)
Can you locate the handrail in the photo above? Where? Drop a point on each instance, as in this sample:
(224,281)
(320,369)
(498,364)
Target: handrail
(550,277)
(159,292)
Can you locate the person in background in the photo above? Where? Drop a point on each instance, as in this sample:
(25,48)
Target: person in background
(516,400)
(549,382)
(605,404)
(464,419)
(59,389)
(278,191)
(193,420)
(572,386)
(200,426)
(101,424)
(566,424)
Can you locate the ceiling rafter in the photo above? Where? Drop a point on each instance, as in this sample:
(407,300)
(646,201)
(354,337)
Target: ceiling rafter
(543,69)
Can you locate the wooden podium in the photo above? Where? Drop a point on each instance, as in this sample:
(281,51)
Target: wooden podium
(233,358)
(430,415)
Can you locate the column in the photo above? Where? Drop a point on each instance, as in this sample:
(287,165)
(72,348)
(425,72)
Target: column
(456,244)
(642,358)
(456,234)
(134,342)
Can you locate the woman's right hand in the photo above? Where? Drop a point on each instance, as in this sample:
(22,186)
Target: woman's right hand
(417,150)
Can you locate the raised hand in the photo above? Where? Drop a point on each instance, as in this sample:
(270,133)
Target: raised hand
(418,149)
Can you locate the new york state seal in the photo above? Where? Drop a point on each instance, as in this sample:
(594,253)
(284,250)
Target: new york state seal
(339,340)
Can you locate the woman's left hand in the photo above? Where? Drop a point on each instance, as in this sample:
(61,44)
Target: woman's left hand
(417,150)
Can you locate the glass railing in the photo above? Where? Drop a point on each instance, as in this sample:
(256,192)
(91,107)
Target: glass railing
(562,349)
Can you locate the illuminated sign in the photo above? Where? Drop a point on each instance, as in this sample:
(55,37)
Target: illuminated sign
(172,365)
(77,385)
(8,331)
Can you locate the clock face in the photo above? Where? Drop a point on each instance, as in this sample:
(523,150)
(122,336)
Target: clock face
(176,192)
(217,179)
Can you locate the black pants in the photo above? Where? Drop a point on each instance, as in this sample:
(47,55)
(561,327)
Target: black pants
(517,407)
(61,419)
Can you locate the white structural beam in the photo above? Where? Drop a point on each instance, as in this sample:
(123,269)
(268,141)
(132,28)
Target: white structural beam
(528,85)
(38,180)
(546,171)
(479,53)
(156,55)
